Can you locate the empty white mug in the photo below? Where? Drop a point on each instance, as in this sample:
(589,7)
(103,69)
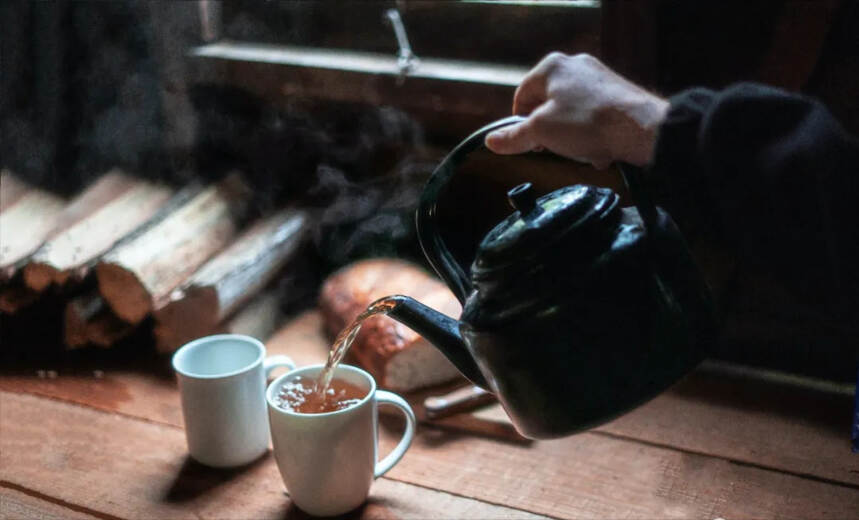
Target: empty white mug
(222,381)
(328,460)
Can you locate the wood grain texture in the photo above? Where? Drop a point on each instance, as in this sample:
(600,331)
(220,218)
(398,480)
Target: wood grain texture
(35,221)
(141,470)
(776,425)
(790,430)
(77,246)
(260,318)
(139,273)
(228,280)
(594,476)
(18,505)
(24,226)
(11,189)
(587,475)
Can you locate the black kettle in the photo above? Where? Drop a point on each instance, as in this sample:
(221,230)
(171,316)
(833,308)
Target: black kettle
(575,310)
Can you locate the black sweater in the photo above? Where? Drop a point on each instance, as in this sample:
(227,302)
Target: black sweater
(773,179)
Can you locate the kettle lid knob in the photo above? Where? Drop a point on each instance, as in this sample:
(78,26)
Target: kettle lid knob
(523,198)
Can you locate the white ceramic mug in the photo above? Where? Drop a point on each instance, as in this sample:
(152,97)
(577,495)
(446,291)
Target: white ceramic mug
(328,460)
(222,381)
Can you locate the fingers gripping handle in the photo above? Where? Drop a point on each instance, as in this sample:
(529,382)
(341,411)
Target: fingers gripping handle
(278,361)
(434,248)
(387,398)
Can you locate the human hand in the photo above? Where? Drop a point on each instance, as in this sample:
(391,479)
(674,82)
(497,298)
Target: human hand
(579,108)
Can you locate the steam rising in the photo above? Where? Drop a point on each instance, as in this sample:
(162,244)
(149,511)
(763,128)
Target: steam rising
(84,86)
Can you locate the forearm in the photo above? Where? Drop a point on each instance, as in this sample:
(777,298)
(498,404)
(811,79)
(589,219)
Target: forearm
(770,176)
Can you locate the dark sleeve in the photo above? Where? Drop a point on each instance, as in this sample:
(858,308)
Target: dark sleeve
(773,179)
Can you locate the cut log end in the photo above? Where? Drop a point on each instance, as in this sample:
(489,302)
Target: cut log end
(38,276)
(123,292)
(106,330)
(193,315)
(16,298)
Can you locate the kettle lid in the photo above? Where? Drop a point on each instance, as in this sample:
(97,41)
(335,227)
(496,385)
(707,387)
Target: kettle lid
(540,221)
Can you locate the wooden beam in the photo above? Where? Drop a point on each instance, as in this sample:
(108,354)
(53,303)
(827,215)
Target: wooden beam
(494,31)
(139,274)
(228,280)
(127,205)
(361,62)
(451,97)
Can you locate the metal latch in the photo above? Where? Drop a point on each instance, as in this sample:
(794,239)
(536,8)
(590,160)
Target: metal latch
(406,60)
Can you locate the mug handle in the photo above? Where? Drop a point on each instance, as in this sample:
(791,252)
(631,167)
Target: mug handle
(383,397)
(277,361)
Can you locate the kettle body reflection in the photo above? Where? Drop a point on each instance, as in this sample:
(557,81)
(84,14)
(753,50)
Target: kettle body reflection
(575,310)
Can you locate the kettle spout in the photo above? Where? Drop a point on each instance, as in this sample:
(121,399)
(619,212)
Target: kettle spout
(440,330)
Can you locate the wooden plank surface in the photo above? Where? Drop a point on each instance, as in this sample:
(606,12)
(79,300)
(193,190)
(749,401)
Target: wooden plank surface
(22,506)
(630,468)
(783,427)
(787,429)
(47,447)
(141,470)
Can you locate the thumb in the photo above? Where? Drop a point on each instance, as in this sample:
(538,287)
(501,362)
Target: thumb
(513,139)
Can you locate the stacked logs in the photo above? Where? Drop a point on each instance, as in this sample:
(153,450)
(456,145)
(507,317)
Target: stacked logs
(126,250)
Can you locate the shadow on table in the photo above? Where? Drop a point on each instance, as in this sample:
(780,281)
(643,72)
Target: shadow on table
(828,410)
(374,507)
(195,479)
(32,342)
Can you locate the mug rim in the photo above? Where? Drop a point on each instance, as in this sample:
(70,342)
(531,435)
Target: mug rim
(196,343)
(269,393)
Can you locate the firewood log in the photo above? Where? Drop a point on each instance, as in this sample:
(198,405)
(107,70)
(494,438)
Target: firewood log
(24,225)
(16,297)
(90,201)
(260,318)
(229,279)
(11,189)
(74,249)
(89,321)
(137,275)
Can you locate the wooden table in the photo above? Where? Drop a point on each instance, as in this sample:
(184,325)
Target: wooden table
(94,438)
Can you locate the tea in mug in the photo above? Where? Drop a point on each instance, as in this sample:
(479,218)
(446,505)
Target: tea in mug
(300,395)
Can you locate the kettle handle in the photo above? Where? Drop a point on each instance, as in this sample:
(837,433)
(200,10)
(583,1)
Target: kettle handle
(632,178)
(433,246)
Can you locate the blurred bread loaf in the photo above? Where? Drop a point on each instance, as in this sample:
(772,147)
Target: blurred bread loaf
(398,357)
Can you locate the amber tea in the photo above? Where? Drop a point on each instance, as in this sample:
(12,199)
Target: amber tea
(300,395)
(347,337)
